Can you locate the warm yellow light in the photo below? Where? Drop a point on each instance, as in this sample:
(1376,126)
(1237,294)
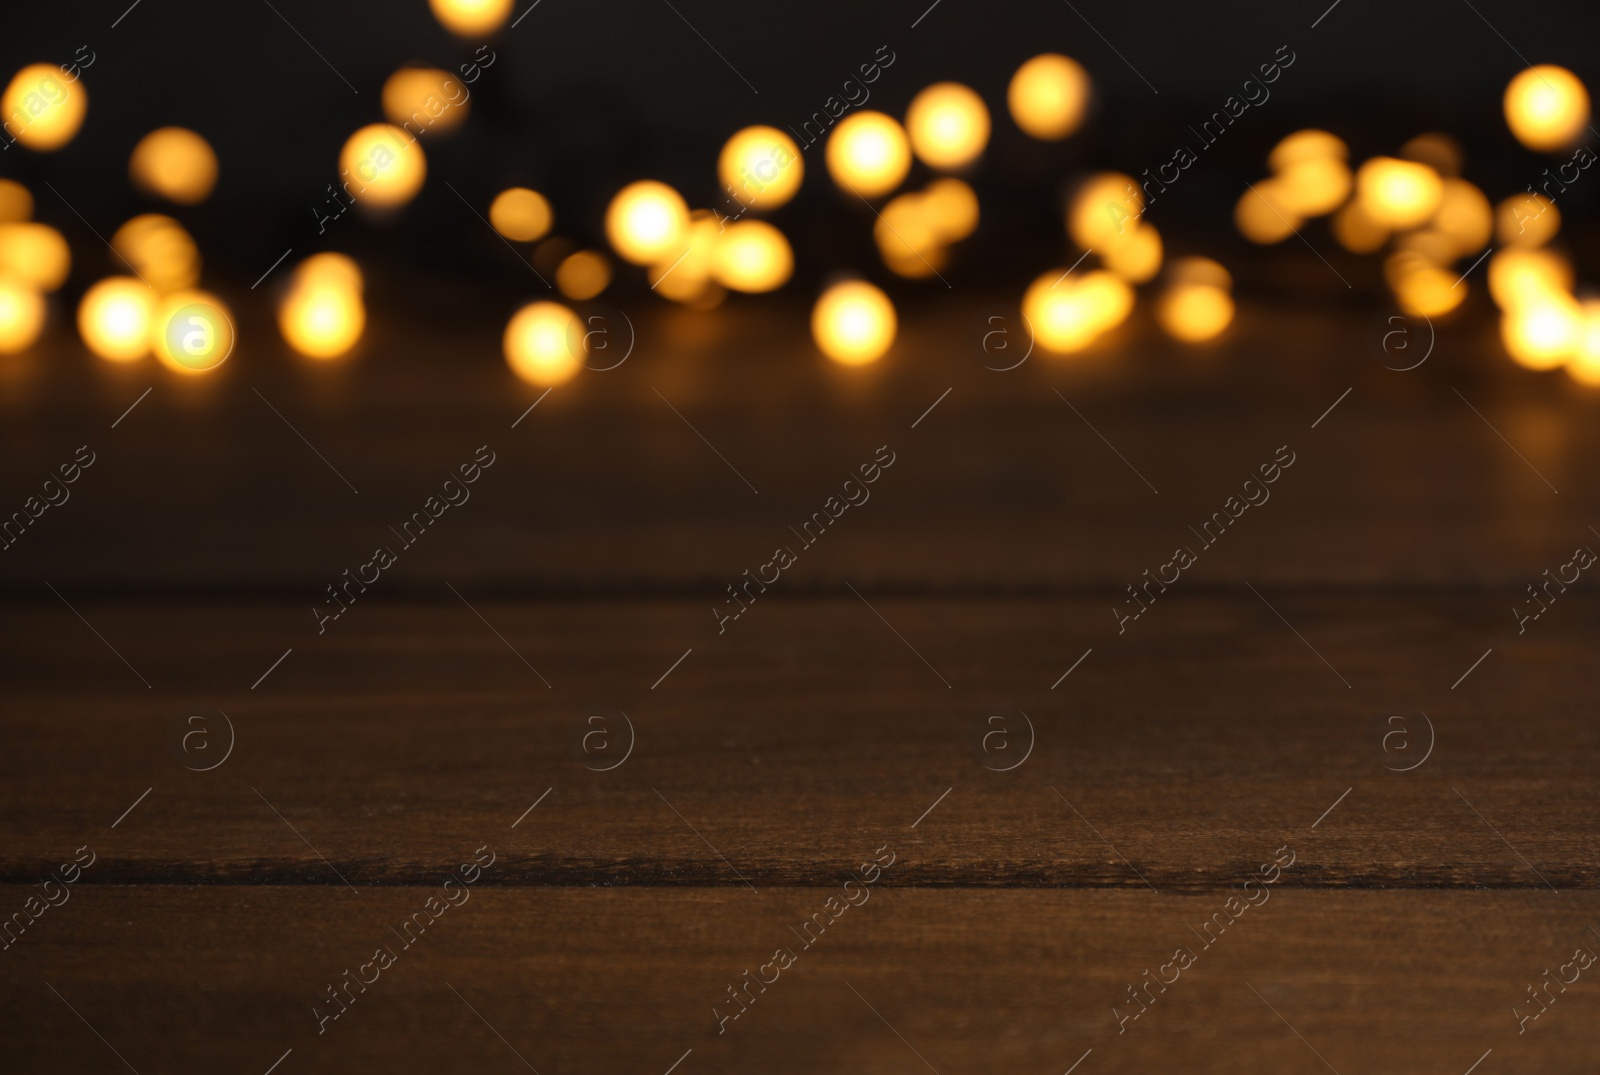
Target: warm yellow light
(950,208)
(761,167)
(1195,313)
(1302,147)
(321,319)
(16,204)
(1464,216)
(21,315)
(1262,215)
(1067,312)
(645,220)
(34,254)
(752,256)
(684,274)
(1527,220)
(1315,187)
(1398,194)
(1421,286)
(1584,365)
(1435,149)
(425,99)
(542,343)
(175,164)
(868,154)
(853,323)
(114,318)
(41,109)
(1356,231)
(1048,96)
(383,165)
(948,125)
(471,18)
(329,270)
(1103,209)
(1544,333)
(159,251)
(1138,257)
(583,275)
(1546,107)
(520,214)
(1519,277)
(904,232)
(191,332)
(1201,272)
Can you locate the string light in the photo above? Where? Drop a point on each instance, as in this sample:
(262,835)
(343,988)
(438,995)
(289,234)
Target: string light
(1048,96)
(868,154)
(42,108)
(853,323)
(645,220)
(114,318)
(760,167)
(542,342)
(174,163)
(520,214)
(948,125)
(1546,107)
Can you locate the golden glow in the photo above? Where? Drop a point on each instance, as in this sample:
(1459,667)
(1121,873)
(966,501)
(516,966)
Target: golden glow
(16,204)
(1195,313)
(159,251)
(1138,257)
(752,256)
(175,164)
(1068,312)
(426,98)
(645,220)
(1543,333)
(1527,220)
(948,125)
(583,275)
(1356,231)
(323,316)
(41,108)
(1421,286)
(1519,277)
(114,318)
(853,323)
(471,18)
(1546,107)
(761,166)
(1048,96)
(1104,209)
(384,165)
(1200,271)
(868,154)
(541,343)
(951,209)
(1464,217)
(34,254)
(684,274)
(1304,146)
(329,270)
(1314,187)
(1398,194)
(21,315)
(904,232)
(191,332)
(520,214)
(1584,365)
(1437,150)
(1262,215)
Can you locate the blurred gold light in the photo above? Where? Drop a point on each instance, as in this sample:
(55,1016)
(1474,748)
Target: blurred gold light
(159,251)
(1200,271)
(1584,365)
(21,315)
(1104,209)
(16,204)
(542,341)
(1421,286)
(1356,231)
(1543,333)
(761,167)
(471,18)
(645,220)
(1519,277)
(1304,146)
(1398,194)
(853,323)
(323,316)
(426,98)
(114,318)
(1546,107)
(1314,187)
(175,164)
(41,109)
(948,125)
(684,275)
(1048,96)
(1435,149)
(1464,216)
(752,256)
(1138,257)
(1068,312)
(384,165)
(868,154)
(329,270)
(583,275)
(1195,313)
(520,214)
(1527,220)
(191,332)
(950,208)
(1262,215)
(904,233)
(34,254)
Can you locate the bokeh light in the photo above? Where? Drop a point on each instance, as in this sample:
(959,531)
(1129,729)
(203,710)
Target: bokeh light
(752,256)
(1546,107)
(1437,150)
(1356,231)
(583,275)
(868,154)
(906,237)
(1526,220)
(1306,146)
(684,274)
(1068,312)
(323,315)
(1584,365)
(853,323)
(16,203)
(1137,257)
(1464,216)
(1398,193)
(1048,96)
(383,165)
(471,18)
(1195,313)
(22,312)
(1203,272)
(645,220)
(520,214)
(159,251)
(41,108)
(1315,187)
(951,209)
(1520,276)
(426,98)
(1421,286)
(114,318)
(542,342)
(1103,209)
(34,254)
(948,125)
(761,167)
(1262,214)
(192,332)
(1544,332)
(174,163)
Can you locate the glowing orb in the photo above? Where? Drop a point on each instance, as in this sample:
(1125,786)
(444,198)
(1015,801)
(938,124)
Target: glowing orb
(950,208)
(383,165)
(1527,220)
(41,109)
(34,254)
(520,214)
(1263,215)
(1464,216)
(948,125)
(868,154)
(322,316)
(1137,257)
(1195,313)
(16,204)
(1048,96)
(1068,311)
(1397,193)
(761,167)
(752,256)
(471,18)
(158,250)
(1519,277)
(853,323)
(425,99)
(175,164)
(645,220)
(192,332)
(1544,333)
(114,318)
(1104,209)
(21,315)
(1305,146)
(1546,107)
(583,275)
(539,343)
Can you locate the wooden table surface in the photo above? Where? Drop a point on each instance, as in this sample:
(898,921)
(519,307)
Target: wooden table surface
(1335,696)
